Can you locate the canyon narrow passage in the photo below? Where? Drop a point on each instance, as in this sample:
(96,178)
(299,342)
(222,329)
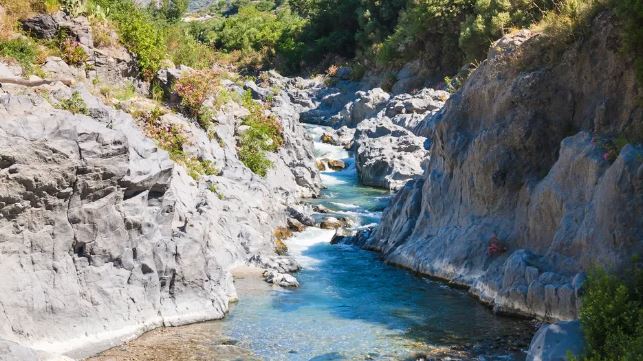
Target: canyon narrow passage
(352,306)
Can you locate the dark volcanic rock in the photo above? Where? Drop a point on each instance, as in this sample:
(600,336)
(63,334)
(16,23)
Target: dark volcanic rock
(41,26)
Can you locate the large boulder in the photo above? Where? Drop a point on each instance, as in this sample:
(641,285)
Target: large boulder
(387,155)
(367,104)
(256,91)
(42,26)
(58,69)
(556,342)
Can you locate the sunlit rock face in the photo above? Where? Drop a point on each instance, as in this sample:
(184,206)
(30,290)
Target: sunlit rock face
(521,195)
(104,236)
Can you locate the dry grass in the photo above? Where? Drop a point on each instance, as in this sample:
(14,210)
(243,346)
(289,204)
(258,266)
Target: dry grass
(12,11)
(570,19)
(103,34)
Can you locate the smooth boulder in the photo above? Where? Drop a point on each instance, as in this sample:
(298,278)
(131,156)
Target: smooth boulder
(556,342)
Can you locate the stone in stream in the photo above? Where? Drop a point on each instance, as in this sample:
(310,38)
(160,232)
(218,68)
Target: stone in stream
(295,225)
(330,223)
(328,138)
(388,155)
(342,235)
(320,208)
(298,214)
(321,165)
(280,279)
(336,164)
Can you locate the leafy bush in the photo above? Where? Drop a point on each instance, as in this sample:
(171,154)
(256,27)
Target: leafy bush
(73,53)
(183,48)
(492,19)
(46,6)
(74,7)
(172,10)
(630,13)
(197,167)
(255,37)
(139,33)
(194,89)
(22,50)
(250,29)
(124,92)
(170,137)
(74,104)
(264,134)
(102,33)
(570,19)
(429,27)
(612,317)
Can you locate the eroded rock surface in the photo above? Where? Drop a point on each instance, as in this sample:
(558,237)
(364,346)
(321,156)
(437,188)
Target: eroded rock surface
(387,155)
(519,198)
(105,237)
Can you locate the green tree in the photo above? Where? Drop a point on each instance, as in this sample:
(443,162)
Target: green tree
(491,19)
(611,316)
(173,10)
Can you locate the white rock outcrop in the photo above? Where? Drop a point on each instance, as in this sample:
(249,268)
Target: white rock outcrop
(103,236)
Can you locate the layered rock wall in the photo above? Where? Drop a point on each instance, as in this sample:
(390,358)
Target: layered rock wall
(103,236)
(520,195)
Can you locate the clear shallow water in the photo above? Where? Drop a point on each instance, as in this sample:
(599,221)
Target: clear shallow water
(352,306)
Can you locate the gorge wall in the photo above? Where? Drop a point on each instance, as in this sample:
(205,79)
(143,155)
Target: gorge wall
(103,236)
(520,196)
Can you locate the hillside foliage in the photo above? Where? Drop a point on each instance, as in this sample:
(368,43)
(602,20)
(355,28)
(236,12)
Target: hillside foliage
(612,317)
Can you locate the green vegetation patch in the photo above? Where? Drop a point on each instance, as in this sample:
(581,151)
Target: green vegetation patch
(171,138)
(611,316)
(22,50)
(263,134)
(74,104)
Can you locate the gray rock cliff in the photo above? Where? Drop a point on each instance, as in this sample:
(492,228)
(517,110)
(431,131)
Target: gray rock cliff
(103,236)
(519,198)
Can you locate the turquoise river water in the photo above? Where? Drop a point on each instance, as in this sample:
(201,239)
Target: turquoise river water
(353,306)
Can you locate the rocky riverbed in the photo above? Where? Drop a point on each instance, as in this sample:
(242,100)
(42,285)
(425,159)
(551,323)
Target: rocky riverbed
(349,305)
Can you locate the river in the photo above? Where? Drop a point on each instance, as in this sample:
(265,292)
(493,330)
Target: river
(353,306)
